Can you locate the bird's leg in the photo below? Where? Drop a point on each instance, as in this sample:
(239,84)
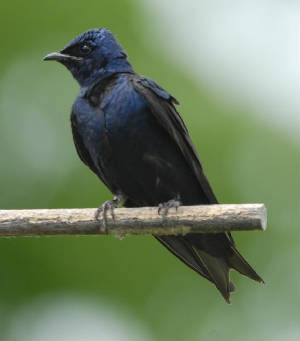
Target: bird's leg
(164,207)
(109,205)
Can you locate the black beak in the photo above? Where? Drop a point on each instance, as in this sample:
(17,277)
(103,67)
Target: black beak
(60,57)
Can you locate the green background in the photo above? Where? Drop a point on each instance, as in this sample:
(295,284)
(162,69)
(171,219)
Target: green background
(135,282)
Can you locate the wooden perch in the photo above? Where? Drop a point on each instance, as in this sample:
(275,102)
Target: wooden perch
(144,220)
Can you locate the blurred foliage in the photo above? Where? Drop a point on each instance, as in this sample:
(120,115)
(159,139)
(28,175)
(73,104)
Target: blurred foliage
(244,160)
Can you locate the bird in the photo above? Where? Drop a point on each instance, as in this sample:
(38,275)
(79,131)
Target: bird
(127,130)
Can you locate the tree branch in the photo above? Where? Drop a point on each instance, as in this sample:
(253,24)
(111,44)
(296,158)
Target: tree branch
(144,220)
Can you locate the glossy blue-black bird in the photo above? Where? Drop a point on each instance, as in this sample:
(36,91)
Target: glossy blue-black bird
(127,131)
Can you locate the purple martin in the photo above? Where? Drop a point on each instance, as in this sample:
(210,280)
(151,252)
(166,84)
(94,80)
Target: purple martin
(127,130)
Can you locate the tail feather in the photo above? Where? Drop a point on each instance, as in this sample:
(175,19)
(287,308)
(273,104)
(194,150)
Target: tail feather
(182,249)
(212,256)
(238,262)
(218,271)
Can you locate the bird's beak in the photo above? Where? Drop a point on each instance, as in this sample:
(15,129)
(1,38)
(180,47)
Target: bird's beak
(60,57)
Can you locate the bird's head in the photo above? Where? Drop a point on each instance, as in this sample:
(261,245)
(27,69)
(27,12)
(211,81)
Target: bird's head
(92,56)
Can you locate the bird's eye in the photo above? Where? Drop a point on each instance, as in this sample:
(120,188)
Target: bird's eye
(85,49)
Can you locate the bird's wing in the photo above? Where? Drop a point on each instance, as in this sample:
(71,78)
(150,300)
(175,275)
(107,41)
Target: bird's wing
(197,251)
(161,104)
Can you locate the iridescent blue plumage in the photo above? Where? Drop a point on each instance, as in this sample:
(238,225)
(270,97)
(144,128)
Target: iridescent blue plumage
(127,130)
(106,57)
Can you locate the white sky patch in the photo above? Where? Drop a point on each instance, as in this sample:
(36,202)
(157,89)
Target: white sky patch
(245,50)
(75,317)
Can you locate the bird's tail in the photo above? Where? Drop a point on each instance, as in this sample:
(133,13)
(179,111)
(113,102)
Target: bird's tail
(212,256)
(237,261)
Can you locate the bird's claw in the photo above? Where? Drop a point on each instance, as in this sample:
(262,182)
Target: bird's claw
(110,206)
(164,208)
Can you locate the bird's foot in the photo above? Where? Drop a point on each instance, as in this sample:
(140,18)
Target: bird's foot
(110,206)
(164,207)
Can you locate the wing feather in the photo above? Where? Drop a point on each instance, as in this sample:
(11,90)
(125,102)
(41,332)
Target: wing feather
(168,117)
